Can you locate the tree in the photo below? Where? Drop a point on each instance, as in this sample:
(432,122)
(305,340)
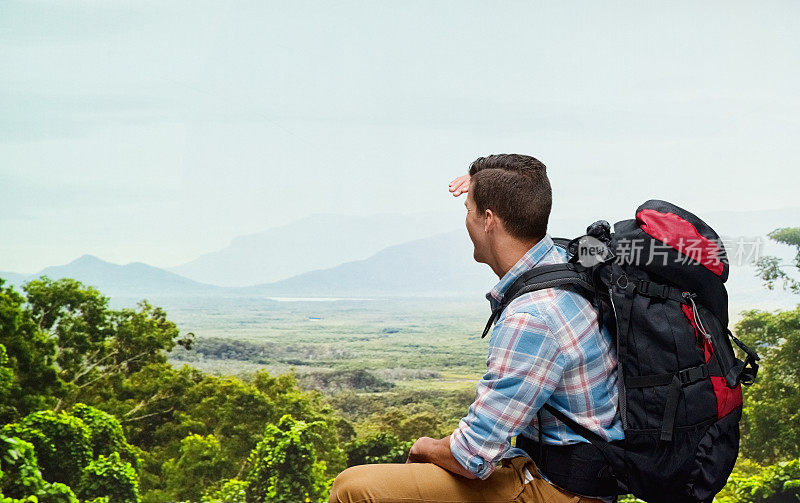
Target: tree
(380,448)
(198,468)
(771,268)
(29,360)
(105,434)
(771,423)
(20,471)
(7,383)
(57,452)
(109,477)
(61,441)
(95,346)
(231,491)
(778,483)
(62,348)
(77,319)
(284,465)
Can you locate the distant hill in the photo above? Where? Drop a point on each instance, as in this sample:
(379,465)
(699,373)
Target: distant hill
(13,278)
(438,265)
(443,265)
(326,241)
(315,242)
(134,279)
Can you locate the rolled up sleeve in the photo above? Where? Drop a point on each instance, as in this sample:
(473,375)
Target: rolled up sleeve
(524,367)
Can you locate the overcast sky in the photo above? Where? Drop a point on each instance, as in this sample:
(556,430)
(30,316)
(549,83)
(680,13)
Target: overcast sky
(157,131)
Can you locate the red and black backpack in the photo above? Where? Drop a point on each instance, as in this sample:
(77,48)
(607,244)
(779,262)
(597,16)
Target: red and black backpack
(658,284)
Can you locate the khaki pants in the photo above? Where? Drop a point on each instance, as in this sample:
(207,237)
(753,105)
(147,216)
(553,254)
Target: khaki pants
(426,482)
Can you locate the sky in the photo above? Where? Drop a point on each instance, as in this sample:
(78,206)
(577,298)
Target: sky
(158,131)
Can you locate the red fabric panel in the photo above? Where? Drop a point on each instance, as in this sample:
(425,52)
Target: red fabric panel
(707,348)
(682,236)
(727,398)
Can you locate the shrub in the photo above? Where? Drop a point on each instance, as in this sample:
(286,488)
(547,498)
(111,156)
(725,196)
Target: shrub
(111,477)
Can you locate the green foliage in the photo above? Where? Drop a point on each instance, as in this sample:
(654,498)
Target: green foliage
(231,491)
(20,471)
(94,347)
(56,493)
(379,448)
(284,466)
(409,414)
(752,483)
(771,268)
(110,477)
(198,467)
(160,406)
(62,443)
(27,499)
(105,433)
(58,454)
(20,477)
(339,380)
(29,361)
(771,424)
(7,383)
(77,319)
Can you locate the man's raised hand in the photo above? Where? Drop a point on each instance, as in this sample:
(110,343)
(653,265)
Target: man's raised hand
(459,186)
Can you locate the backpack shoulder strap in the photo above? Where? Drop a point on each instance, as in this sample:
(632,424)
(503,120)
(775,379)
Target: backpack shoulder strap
(539,278)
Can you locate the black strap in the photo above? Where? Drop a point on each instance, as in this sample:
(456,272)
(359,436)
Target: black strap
(622,305)
(743,372)
(561,242)
(671,409)
(581,430)
(679,380)
(539,432)
(659,291)
(686,376)
(539,278)
(489,323)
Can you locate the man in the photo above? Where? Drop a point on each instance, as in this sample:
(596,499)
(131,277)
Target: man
(546,347)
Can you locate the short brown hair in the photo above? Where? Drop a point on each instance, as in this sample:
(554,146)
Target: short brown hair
(516,188)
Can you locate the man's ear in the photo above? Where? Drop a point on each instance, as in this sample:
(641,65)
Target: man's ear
(490,222)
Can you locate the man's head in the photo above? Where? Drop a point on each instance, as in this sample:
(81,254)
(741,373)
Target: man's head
(508,206)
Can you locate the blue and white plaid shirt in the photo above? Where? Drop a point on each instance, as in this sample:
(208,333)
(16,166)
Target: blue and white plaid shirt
(545,348)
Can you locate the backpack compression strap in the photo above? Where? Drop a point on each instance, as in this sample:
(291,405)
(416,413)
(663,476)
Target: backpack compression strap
(539,278)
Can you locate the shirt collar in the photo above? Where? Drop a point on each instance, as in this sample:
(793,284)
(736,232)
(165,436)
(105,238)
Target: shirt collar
(528,261)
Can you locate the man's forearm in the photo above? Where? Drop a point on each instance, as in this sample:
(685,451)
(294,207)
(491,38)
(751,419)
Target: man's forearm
(430,450)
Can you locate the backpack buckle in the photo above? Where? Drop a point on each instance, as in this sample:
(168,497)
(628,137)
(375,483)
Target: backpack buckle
(694,374)
(650,289)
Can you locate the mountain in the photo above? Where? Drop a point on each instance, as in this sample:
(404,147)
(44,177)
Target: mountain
(13,278)
(437,265)
(434,266)
(134,279)
(314,242)
(442,265)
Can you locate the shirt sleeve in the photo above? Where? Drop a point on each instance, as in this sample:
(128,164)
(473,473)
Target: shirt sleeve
(524,367)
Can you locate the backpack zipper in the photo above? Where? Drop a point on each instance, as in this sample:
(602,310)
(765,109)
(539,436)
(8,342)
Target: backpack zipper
(697,321)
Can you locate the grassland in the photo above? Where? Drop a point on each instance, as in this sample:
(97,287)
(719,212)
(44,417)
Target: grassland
(408,365)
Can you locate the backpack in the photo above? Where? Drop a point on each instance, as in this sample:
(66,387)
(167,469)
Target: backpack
(657,282)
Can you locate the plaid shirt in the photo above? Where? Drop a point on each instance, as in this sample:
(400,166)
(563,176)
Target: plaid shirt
(545,348)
